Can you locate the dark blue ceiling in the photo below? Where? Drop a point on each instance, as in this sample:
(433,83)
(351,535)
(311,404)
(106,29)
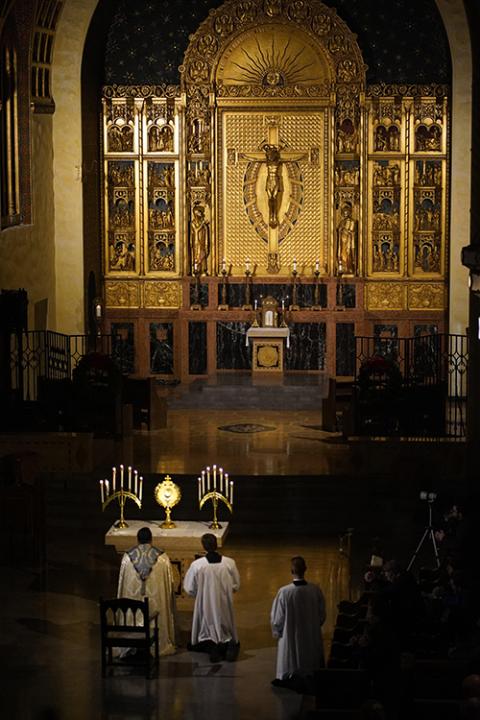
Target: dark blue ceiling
(402,41)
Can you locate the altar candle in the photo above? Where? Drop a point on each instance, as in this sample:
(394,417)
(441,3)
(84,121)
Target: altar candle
(195,266)
(317,265)
(224,265)
(256,303)
(203,483)
(107,488)
(283,304)
(231,492)
(220,470)
(130,477)
(140,489)
(102,491)
(208,479)
(247,264)
(294,265)
(121,477)
(135,481)
(214,477)
(226,485)
(199,489)
(114,477)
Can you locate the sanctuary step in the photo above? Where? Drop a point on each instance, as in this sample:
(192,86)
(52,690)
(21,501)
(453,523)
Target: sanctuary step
(242,391)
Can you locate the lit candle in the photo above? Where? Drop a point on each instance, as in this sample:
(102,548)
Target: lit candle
(247,264)
(195,266)
(231,492)
(317,265)
(221,479)
(208,479)
(203,483)
(224,265)
(130,477)
(214,477)
(102,491)
(121,477)
(114,477)
(140,489)
(283,304)
(226,485)
(135,481)
(107,488)
(256,303)
(199,489)
(294,265)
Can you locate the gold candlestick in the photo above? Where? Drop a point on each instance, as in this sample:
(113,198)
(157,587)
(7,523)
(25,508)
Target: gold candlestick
(122,494)
(222,492)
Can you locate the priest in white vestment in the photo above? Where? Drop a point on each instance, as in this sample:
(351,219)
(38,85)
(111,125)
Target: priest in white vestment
(298,613)
(146,572)
(212,580)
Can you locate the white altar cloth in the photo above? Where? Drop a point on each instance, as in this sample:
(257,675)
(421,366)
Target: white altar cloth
(268,332)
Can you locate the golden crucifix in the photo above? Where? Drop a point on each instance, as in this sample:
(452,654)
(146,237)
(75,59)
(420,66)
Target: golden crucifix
(273,155)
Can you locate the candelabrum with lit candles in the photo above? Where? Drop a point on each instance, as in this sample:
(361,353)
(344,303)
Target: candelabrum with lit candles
(123,486)
(214,485)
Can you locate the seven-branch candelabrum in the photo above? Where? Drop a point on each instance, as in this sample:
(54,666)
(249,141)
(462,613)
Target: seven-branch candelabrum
(124,485)
(214,485)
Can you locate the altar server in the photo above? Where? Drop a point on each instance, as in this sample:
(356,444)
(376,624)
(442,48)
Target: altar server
(146,572)
(212,580)
(297,616)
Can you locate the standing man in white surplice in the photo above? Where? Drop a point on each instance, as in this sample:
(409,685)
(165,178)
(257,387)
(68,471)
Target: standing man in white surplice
(146,572)
(212,580)
(298,613)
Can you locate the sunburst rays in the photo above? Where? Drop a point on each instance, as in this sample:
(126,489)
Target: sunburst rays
(273,64)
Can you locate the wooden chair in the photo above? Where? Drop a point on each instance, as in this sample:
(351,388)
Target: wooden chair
(126,623)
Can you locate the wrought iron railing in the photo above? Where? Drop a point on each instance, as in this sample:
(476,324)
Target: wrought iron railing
(46,354)
(433,371)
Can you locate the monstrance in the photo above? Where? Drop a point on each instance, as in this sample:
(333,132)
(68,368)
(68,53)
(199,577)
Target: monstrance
(167,494)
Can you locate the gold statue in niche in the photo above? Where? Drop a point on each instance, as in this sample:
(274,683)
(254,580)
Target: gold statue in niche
(346,242)
(199,239)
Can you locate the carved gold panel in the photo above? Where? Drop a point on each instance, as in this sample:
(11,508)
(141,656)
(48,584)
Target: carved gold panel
(386,296)
(427,219)
(246,174)
(161,216)
(267,356)
(120,126)
(426,296)
(122,294)
(159,294)
(122,217)
(386,223)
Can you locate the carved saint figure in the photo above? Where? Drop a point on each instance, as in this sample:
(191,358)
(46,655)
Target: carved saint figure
(199,239)
(273,185)
(346,242)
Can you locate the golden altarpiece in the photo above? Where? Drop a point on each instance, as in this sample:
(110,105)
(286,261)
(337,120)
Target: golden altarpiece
(272,166)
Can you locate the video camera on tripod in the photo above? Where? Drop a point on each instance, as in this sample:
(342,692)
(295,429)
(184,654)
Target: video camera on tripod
(429,497)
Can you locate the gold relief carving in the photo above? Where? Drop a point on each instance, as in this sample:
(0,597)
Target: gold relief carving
(428,110)
(162,294)
(282,218)
(428,139)
(425,296)
(121,211)
(161,215)
(386,296)
(122,294)
(160,125)
(120,123)
(386,201)
(347,119)
(319,90)
(427,217)
(347,173)
(387,109)
(161,251)
(340,56)
(141,91)
(387,138)
(416,91)
(267,356)
(198,120)
(347,240)
(199,236)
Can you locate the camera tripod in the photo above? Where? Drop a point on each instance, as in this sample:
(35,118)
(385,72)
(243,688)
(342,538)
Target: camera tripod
(428,533)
